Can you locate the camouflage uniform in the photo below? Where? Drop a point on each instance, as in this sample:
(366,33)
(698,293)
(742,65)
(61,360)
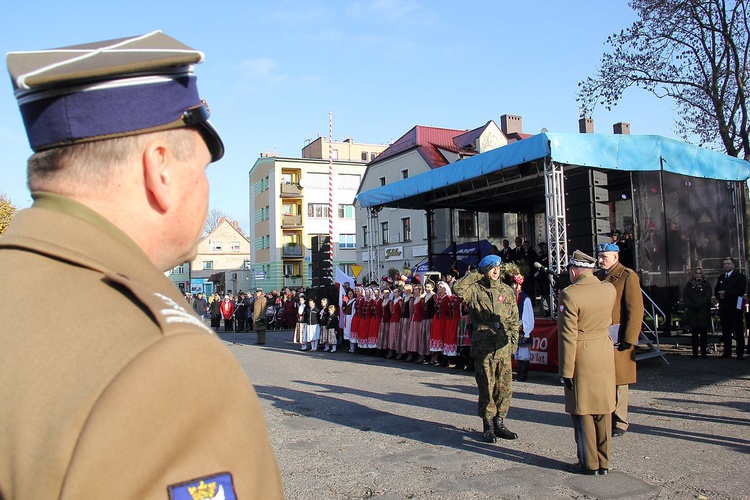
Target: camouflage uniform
(494,319)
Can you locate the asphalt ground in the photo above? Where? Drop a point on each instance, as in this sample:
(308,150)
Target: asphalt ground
(356,426)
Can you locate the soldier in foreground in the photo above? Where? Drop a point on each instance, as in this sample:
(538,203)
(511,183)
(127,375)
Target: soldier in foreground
(494,318)
(140,400)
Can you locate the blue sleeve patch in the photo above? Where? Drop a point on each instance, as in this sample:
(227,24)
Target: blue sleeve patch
(216,487)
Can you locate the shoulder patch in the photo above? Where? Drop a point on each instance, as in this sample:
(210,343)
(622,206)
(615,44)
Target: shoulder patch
(217,487)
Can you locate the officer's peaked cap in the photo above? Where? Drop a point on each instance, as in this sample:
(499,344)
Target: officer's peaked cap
(109,89)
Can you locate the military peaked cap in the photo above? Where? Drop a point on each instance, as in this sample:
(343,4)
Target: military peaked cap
(580,259)
(108,89)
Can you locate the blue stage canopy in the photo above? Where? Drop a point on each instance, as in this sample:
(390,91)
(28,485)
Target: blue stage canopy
(624,152)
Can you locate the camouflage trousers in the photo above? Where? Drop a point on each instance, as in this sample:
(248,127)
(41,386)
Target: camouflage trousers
(494,375)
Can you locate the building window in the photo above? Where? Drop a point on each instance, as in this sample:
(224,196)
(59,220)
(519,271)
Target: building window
(406,228)
(364,155)
(348,181)
(208,264)
(495,225)
(347,241)
(235,246)
(384,233)
(179,269)
(431,222)
(346,211)
(405,173)
(373,156)
(216,246)
(364,236)
(466,224)
(318,210)
(382,181)
(335,154)
(316,180)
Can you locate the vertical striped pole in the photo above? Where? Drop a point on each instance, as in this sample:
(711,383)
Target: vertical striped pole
(330,187)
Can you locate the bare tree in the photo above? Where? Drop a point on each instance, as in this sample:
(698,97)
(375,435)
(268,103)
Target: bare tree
(694,52)
(215,215)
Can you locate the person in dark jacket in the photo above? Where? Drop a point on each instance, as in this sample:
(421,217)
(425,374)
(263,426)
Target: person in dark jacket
(697,298)
(730,286)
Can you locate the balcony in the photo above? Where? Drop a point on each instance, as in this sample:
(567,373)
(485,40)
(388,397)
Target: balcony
(292,250)
(291,221)
(289,190)
(293,281)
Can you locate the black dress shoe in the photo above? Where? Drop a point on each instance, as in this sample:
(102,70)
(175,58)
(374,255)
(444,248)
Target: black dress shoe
(618,432)
(580,469)
(603,471)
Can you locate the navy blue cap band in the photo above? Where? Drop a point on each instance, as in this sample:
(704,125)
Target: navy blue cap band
(107,112)
(116,111)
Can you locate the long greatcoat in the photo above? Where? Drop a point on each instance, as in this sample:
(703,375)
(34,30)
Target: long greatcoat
(259,311)
(586,353)
(628,312)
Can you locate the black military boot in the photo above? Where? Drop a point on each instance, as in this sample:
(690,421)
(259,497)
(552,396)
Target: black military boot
(488,432)
(500,430)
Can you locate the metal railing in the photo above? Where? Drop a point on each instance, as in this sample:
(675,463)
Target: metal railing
(650,331)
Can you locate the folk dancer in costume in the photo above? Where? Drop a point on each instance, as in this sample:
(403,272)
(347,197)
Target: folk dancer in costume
(405,324)
(442,312)
(415,330)
(428,313)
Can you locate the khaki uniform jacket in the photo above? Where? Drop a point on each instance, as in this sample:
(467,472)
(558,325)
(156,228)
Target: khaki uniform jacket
(259,311)
(628,312)
(586,353)
(110,387)
(493,313)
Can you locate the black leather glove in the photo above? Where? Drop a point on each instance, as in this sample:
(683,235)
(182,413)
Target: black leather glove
(568,383)
(624,346)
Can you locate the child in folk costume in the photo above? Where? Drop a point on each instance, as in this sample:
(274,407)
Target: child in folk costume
(405,322)
(526,315)
(312,326)
(299,327)
(394,322)
(323,321)
(329,330)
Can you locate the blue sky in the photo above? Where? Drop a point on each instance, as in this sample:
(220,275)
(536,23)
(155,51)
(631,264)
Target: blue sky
(275,69)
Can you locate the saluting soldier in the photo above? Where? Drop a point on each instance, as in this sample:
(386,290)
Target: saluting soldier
(494,318)
(145,401)
(628,314)
(587,363)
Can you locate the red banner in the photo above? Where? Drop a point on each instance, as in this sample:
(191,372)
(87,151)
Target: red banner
(544,346)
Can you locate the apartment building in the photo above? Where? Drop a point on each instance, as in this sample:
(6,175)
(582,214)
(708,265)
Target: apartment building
(289,204)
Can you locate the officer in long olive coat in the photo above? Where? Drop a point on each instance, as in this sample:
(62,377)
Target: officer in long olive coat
(587,363)
(260,321)
(628,313)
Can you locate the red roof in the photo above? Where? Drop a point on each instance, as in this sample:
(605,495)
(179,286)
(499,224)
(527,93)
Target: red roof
(430,140)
